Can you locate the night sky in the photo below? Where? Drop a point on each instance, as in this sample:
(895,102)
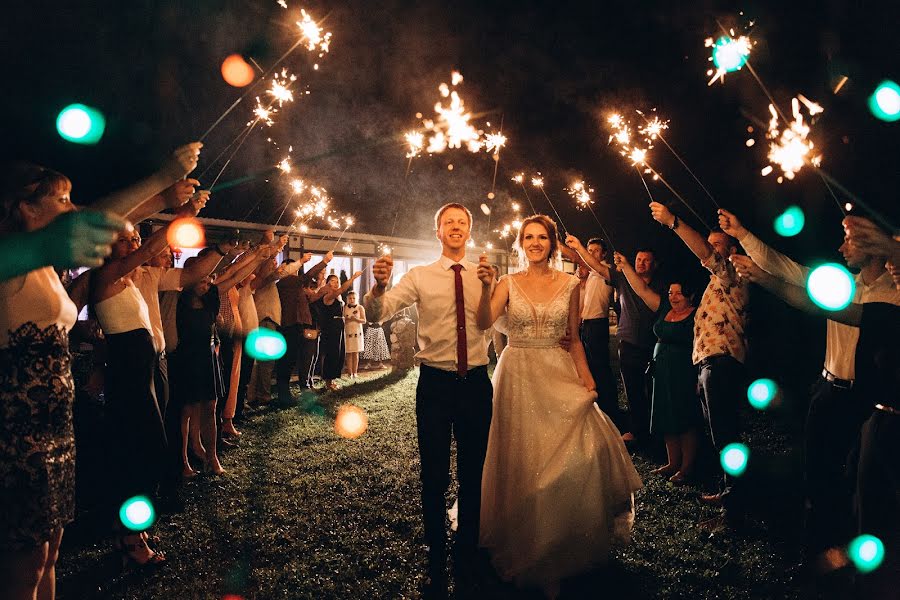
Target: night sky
(550,70)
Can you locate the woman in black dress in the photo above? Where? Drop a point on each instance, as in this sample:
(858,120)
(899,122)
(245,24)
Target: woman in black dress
(331,321)
(198,377)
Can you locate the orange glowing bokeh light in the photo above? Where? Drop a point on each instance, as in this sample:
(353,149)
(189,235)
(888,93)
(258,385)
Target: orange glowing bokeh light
(236,71)
(186,233)
(351,422)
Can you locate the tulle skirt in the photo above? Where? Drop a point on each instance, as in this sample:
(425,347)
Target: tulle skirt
(558,483)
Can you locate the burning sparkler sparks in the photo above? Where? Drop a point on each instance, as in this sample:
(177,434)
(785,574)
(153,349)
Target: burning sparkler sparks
(280,89)
(285,165)
(581,194)
(451,128)
(312,34)
(729,54)
(791,147)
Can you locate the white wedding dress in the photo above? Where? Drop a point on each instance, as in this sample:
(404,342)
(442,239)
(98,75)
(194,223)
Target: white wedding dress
(558,483)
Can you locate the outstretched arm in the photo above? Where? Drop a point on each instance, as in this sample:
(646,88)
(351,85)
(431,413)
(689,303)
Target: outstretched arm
(794,295)
(576,350)
(331,294)
(243,267)
(124,202)
(640,287)
(73,239)
(575,244)
(692,239)
(766,257)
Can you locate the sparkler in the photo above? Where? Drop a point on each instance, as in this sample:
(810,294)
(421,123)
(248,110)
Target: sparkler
(520,179)
(621,134)
(652,130)
(582,195)
(791,147)
(451,128)
(538,182)
(310,34)
(349,221)
(728,55)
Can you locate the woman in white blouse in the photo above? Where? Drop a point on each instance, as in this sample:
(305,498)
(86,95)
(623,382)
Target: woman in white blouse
(37,446)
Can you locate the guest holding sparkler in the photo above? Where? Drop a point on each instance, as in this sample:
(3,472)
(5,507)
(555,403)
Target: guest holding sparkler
(297,328)
(836,411)
(720,347)
(676,409)
(37,448)
(594,332)
(874,469)
(331,320)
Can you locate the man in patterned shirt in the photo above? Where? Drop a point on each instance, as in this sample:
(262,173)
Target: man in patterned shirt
(720,344)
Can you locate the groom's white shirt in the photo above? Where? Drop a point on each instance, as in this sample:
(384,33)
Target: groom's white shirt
(432,289)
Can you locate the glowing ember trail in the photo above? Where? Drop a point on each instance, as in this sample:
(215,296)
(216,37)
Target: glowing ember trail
(791,148)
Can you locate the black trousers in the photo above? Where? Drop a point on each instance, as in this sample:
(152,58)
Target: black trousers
(171,412)
(137,434)
(878,500)
(448,405)
(722,390)
(594,336)
(633,361)
(833,423)
(301,353)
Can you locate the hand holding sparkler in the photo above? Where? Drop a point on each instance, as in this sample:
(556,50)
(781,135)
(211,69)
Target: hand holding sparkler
(731,225)
(574,243)
(486,273)
(179,192)
(307,256)
(183,161)
(382,271)
(871,239)
(661,214)
(746,268)
(620,262)
(192,207)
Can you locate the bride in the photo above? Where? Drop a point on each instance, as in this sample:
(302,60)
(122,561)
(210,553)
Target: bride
(558,484)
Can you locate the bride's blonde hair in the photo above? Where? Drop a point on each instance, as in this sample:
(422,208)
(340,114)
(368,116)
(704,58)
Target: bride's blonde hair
(553,258)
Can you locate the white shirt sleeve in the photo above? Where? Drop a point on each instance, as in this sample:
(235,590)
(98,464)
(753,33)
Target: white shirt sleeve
(774,262)
(402,295)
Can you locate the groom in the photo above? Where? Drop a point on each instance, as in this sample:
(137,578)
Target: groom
(454,392)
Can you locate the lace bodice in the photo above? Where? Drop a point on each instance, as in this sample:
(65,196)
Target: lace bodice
(542,324)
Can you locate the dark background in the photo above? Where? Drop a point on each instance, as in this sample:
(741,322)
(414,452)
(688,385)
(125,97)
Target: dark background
(551,71)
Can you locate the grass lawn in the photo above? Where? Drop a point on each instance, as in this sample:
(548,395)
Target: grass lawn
(303,513)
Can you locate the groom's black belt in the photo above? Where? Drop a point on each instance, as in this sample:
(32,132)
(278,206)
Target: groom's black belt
(453,375)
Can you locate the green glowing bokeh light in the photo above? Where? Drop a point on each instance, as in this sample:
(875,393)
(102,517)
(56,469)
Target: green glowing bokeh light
(734,458)
(790,222)
(137,513)
(885,101)
(866,552)
(80,124)
(831,286)
(761,393)
(265,344)
(727,54)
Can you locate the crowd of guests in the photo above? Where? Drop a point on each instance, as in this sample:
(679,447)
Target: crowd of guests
(177,381)
(168,360)
(686,352)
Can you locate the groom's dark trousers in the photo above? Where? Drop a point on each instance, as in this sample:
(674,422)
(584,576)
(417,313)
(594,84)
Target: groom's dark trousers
(447,404)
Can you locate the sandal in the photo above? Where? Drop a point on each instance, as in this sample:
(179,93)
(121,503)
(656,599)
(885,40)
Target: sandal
(139,555)
(665,470)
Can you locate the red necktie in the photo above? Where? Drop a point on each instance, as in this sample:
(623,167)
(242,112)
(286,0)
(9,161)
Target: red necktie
(462,350)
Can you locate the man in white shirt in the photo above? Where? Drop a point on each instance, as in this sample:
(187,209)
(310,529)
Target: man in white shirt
(454,394)
(836,413)
(594,332)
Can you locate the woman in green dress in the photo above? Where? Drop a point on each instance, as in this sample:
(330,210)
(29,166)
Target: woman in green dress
(676,412)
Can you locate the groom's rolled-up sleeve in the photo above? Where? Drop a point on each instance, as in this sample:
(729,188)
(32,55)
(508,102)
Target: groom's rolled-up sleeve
(385,306)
